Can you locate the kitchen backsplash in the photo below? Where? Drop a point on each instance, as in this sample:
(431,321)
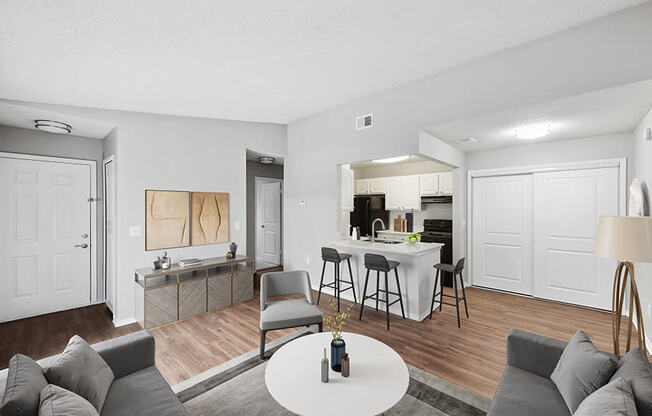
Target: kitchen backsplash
(429,211)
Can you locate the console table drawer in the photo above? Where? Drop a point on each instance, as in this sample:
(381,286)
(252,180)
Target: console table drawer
(243,285)
(160,306)
(192,298)
(219,291)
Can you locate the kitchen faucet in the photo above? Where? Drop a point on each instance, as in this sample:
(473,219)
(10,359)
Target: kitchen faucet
(373,233)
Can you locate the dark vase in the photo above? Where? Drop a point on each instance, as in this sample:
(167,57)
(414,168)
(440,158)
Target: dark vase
(338,347)
(233,247)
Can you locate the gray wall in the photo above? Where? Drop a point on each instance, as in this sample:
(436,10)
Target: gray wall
(601,54)
(643,171)
(34,142)
(255,169)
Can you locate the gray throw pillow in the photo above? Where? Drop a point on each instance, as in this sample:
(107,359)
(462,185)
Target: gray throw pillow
(81,370)
(25,381)
(581,370)
(635,368)
(57,401)
(614,399)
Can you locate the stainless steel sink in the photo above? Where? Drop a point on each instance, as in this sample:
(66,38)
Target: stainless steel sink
(391,242)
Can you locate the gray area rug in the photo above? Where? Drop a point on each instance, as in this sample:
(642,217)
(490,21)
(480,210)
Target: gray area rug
(238,388)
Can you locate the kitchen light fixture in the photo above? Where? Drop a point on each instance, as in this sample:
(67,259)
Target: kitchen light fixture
(533,131)
(266,160)
(52,126)
(391,159)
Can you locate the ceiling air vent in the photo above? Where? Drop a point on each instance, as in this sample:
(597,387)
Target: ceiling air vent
(364,122)
(467,140)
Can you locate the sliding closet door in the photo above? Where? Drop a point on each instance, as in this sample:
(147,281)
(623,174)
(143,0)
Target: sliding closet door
(567,206)
(502,233)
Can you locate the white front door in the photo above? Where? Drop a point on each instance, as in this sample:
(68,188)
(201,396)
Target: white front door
(567,206)
(502,233)
(45,218)
(268,220)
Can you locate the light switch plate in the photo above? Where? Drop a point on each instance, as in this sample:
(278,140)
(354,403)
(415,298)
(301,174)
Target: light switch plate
(236,225)
(307,260)
(135,231)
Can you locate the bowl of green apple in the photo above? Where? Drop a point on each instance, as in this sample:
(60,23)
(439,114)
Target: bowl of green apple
(413,238)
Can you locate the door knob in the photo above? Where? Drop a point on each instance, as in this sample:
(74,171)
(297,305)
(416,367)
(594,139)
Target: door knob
(82,245)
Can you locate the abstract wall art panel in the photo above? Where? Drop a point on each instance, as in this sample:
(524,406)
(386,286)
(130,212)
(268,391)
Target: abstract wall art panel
(167,219)
(210,218)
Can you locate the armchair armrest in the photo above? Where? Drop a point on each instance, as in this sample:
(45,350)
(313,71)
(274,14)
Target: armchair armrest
(129,353)
(534,353)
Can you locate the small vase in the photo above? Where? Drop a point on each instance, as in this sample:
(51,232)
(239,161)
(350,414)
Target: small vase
(233,247)
(338,347)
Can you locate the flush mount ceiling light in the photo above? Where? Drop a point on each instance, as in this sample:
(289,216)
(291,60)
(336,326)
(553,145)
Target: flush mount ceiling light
(53,126)
(266,160)
(533,131)
(392,159)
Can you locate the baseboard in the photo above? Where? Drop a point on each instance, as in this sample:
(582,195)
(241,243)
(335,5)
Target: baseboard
(123,322)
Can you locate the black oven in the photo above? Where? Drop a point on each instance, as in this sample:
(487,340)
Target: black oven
(440,231)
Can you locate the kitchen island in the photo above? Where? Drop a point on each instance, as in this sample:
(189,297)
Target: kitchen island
(416,273)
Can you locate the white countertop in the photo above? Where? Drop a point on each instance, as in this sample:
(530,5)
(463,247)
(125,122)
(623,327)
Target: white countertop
(417,249)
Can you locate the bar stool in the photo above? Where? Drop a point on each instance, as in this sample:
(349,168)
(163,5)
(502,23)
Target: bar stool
(456,271)
(330,255)
(381,264)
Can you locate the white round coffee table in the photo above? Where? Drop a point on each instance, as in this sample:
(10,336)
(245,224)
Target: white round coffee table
(379,377)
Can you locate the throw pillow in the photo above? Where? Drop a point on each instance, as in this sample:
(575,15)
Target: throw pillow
(25,381)
(581,370)
(57,401)
(614,399)
(81,370)
(635,368)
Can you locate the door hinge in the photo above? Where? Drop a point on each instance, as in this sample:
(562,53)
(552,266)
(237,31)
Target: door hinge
(91,199)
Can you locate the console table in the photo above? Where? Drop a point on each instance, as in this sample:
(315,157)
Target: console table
(164,296)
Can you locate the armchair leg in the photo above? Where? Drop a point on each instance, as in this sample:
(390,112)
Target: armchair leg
(262,344)
(321,326)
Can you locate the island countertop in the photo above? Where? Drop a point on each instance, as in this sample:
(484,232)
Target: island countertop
(418,249)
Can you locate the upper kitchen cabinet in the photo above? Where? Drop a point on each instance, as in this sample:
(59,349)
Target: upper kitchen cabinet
(403,193)
(429,184)
(446,183)
(362,186)
(377,185)
(347,189)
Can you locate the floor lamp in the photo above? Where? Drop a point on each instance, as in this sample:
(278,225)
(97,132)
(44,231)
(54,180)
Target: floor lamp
(628,240)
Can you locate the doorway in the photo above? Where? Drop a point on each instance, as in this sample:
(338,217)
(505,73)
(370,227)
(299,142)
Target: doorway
(268,222)
(47,234)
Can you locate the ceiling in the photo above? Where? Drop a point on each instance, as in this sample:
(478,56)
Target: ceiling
(271,60)
(613,110)
(15,115)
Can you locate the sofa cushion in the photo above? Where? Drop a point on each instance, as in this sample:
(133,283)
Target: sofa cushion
(81,370)
(635,368)
(613,399)
(581,370)
(143,393)
(289,313)
(25,381)
(57,401)
(523,393)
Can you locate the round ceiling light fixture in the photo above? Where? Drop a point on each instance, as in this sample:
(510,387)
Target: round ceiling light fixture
(266,160)
(533,131)
(52,126)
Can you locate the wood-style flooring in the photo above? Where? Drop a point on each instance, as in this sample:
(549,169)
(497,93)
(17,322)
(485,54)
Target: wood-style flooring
(473,356)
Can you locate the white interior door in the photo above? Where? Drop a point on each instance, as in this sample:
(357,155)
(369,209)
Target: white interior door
(567,206)
(502,233)
(109,232)
(45,218)
(268,220)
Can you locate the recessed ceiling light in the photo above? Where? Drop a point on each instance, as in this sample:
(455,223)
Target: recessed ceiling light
(533,131)
(52,126)
(467,140)
(391,159)
(266,160)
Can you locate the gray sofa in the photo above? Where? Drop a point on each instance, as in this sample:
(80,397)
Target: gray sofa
(138,387)
(526,387)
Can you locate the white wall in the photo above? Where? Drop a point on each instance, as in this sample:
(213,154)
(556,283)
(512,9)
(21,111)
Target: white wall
(602,54)
(643,171)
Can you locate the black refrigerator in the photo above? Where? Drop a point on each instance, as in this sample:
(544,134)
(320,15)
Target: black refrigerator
(365,210)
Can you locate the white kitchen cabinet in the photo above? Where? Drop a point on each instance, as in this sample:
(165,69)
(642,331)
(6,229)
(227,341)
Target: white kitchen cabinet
(347,189)
(362,186)
(429,184)
(377,186)
(403,193)
(446,183)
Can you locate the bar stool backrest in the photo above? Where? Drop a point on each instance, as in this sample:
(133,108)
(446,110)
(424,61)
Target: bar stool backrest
(376,262)
(330,254)
(460,265)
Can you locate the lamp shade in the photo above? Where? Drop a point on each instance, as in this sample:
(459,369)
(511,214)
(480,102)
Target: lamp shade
(625,238)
